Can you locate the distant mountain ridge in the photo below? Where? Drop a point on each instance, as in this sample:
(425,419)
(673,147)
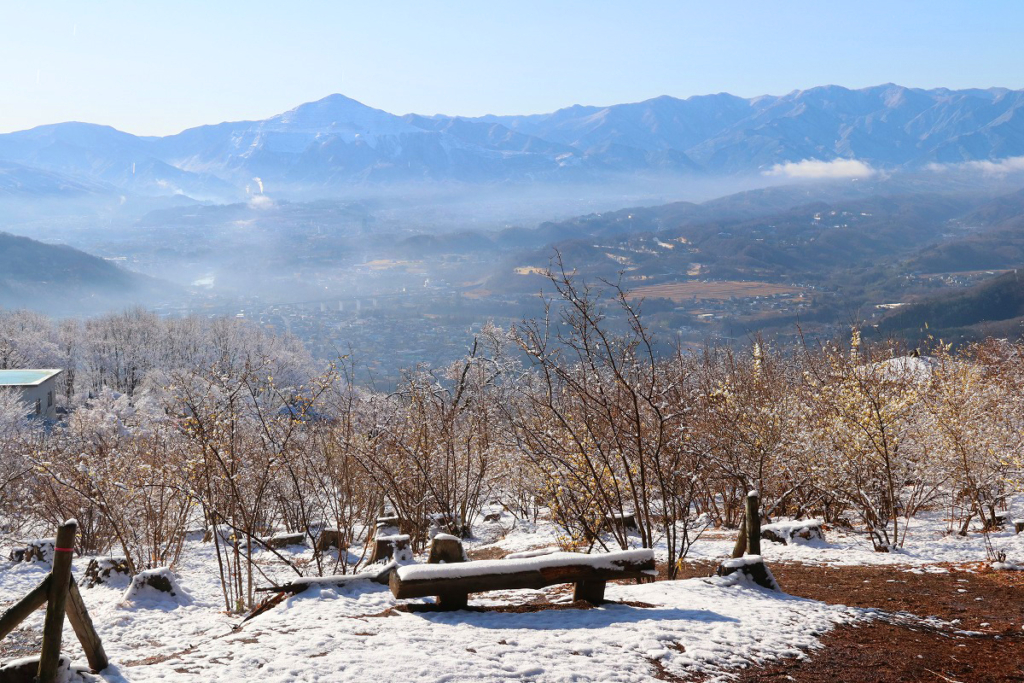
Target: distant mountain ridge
(62,280)
(337,142)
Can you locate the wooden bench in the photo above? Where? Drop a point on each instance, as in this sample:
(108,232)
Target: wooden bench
(452,583)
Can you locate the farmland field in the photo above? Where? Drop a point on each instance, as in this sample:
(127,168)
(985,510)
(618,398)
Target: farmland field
(720,289)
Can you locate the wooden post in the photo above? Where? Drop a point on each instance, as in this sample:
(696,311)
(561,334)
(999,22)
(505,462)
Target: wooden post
(86,632)
(740,548)
(590,590)
(753,523)
(60,579)
(452,601)
(448,549)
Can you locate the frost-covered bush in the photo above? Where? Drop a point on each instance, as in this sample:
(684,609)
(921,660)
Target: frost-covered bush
(604,419)
(191,422)
(122,463)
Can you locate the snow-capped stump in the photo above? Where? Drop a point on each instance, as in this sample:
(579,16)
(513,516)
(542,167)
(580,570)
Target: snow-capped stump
(24,670)
(786,532)
(1018,525)
(394,547)
(35,550)
(388,525)
(284,540)
(329,538)
(451,584)
(224,532)
(621,521)
(493,512)
(446,549)
(751,567)
(158,584)
(106,570)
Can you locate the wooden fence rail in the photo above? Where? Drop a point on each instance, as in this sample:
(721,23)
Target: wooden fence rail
(61,596)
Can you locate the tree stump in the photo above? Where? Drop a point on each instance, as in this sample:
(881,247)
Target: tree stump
(36,550)
(446,549)
(24,670)
(224,532)
(626,522)
(106,570)
(329,538)
(159,582)
(786,532)
(284,540)
(1018,525)
(388,525)
(751,567)
(391,547)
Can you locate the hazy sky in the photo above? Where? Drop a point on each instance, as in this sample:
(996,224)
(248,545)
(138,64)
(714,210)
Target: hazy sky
(153,67)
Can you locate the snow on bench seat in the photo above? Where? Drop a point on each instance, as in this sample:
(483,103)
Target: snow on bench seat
(452,583)
(610,561)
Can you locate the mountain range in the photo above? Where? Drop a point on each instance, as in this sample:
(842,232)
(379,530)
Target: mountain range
(321,147)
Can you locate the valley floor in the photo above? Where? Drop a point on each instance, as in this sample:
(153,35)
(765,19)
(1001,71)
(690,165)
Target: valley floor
(935,611)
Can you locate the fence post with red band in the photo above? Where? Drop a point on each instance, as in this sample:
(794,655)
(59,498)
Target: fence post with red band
(60,578)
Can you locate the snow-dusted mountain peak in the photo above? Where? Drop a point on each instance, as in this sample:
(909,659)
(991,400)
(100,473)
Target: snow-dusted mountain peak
(337,114)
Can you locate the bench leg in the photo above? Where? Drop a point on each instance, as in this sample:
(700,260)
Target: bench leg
(591,591)
(453,601)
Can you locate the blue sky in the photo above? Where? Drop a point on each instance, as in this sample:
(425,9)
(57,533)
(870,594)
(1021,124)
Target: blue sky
(159,67)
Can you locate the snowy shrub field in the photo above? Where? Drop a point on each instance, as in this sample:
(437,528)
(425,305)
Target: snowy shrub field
(229,455)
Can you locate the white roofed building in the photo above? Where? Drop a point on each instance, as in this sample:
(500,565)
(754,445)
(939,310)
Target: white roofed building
(38,390)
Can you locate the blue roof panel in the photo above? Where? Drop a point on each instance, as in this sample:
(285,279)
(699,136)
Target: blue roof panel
(23,378)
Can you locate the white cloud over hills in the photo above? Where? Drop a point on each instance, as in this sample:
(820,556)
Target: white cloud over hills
(813,169)
(987,166)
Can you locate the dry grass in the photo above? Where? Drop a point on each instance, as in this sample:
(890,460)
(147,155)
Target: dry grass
(721,289)
(389,264)
(531,270)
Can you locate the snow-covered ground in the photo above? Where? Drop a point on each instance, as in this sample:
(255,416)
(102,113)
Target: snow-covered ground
(693,627)
(927,544)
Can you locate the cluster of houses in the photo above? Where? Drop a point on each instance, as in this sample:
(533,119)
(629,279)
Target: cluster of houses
(38,389)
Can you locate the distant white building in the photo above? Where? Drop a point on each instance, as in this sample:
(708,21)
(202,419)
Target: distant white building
(38,389)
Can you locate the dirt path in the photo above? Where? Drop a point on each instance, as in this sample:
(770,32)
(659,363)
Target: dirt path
(989,602)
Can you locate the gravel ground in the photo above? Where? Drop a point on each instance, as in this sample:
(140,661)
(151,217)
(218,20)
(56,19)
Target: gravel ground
(981,641)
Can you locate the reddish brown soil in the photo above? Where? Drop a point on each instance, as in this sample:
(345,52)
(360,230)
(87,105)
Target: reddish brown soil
(905,649)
